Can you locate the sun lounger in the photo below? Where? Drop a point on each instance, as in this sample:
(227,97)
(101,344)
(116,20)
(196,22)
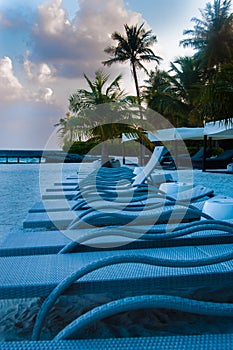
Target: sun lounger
(114,214)
(62,219)
(122,271)
(142,301)
(194,194)
(51,242)
(101,176)
(65,195)
(219,162)
(138,180)
(184,159)
(177,342)
(31,243)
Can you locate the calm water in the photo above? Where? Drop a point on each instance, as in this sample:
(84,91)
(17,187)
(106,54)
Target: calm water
(21,188)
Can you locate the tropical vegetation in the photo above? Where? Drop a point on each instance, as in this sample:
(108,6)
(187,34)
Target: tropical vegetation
(99,114)
(133,47)
(195,89)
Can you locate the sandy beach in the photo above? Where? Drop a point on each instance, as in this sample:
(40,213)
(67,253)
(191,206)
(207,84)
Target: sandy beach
(20,189)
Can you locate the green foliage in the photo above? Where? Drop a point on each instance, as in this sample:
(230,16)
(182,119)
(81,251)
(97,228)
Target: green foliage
(212,34)
(216,151)
(200,87)
(131,148)
(174,93)
(196,88)
(216,97)
(133,47)
(80,147)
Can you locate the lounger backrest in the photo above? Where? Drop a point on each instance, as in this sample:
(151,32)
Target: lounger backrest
(200,154)
(227,154)
(154,160)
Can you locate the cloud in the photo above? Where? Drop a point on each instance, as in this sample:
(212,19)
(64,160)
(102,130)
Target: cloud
(10,87)
(45,73)
(38,73)
(52,18)
(77,46)
(44,94)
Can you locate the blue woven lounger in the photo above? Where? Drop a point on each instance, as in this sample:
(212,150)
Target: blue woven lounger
(188,342)
(61,219)
(51,242)
(196,193)
(123,271)
(72,190)
(103,178)
(137,180)
(109,183)
(111,215)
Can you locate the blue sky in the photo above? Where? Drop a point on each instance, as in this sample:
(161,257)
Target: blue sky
(46,46)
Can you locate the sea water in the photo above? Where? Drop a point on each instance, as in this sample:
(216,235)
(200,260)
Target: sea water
(21,187)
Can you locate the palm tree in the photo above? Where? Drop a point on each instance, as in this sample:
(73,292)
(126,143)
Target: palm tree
(157,94)
(67,130)
(186,80)
(216,95)
(98,123)
(175,93)
(186,74)
(212,35)
(83,99)
(133,47)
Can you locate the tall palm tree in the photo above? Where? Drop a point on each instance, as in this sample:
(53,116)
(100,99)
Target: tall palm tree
(212,35)
(133,47)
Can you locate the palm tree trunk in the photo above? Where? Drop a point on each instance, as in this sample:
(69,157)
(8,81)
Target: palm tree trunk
(141,156)
(136,82)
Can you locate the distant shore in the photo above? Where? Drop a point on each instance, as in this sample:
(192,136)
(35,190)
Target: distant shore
(40,156)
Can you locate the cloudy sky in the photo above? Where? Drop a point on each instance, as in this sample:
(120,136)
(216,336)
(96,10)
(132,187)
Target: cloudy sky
(46,46)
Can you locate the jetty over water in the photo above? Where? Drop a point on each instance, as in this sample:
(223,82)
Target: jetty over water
(38,156)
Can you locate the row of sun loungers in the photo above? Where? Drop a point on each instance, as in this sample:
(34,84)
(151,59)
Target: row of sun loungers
(141,263)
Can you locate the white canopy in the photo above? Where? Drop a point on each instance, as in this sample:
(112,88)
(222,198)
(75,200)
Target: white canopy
(177,134)
(219,129)
(216,130)
(171,134)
